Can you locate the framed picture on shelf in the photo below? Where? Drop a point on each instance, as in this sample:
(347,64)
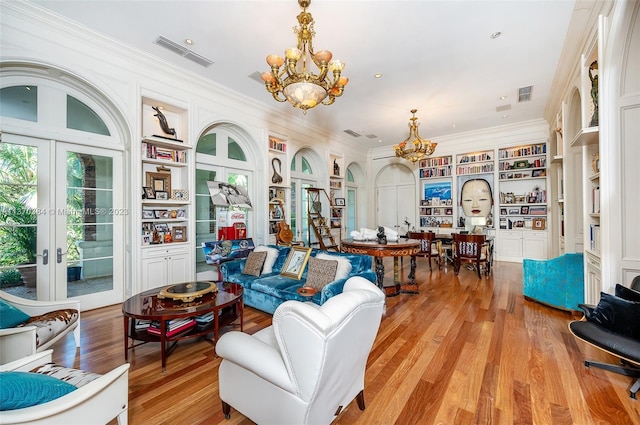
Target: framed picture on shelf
(162,195)
(539,173)
(181,213)
(514,211)
(280,194)
(148,214)
(159,181)
(539,223)
(524,210)
(296,262)
(339,202)
(146,239)
(180,194)
(179,233)
(503,211)
(538,210)
(162,227)
(148,193)
(161,213)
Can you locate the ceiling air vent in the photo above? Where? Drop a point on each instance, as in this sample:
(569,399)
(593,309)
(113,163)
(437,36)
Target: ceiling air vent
(524,93)
(372,136)
(183,51)
(352,133)
(503,107)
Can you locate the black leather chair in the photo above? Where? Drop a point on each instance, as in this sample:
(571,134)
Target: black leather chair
(614,327)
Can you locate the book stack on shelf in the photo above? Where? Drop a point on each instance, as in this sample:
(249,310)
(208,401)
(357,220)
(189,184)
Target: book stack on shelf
(204,321)
(174,326)
(277,144)
(594,237)
(152,151)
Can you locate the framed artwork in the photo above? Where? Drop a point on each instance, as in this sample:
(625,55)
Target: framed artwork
(159,181)
(503,211)
(339,202)
(180,194)
(181,213)
(148,193)
(179,233)
(162,195)
(148,214)
(161,214)
(296,262)
(524,210)
(539,223)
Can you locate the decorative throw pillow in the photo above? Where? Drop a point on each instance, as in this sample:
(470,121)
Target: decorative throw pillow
(75,377)
(10,316)
(272,256)
(618,315)
(627,293)
(344,265)
(254,263)
(51,324)
(320,272)
(24,389)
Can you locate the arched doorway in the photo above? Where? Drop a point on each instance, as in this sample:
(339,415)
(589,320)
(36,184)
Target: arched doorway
(395,197)
(306,171)
(63,156)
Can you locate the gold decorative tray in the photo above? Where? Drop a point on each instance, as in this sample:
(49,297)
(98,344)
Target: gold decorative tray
(188,292)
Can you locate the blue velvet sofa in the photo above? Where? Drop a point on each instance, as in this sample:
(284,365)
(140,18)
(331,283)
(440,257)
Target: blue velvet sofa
(557,282)
(268,291)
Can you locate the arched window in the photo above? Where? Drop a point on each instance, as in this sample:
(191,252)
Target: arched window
(219,157)
(21,102)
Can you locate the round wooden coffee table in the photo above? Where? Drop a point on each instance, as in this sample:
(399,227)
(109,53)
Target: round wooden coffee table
(226,306)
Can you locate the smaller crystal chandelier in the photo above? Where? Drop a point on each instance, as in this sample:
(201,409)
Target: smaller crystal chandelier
(294,81)
(413,148)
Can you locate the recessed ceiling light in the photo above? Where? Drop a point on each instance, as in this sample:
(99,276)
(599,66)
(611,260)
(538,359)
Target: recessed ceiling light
(380,141)
(505,116)
(454,126)
(503,97)
(377,75)
(188,41)
(495,34)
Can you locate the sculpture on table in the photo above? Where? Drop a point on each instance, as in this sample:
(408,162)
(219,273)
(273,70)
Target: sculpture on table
(164,125)
(382,238)
(594,92)
(276,178)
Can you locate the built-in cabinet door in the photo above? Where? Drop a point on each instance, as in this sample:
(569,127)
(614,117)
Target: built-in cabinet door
(534,245)
(165,265)
(510,245)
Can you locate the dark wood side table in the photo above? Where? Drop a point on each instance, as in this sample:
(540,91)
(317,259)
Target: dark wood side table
(148,306)
(391,249)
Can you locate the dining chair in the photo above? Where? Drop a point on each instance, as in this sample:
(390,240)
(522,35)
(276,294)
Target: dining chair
(429,247)
(470,249)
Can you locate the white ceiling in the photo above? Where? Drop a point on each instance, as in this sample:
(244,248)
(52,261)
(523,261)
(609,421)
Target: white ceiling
(434,56)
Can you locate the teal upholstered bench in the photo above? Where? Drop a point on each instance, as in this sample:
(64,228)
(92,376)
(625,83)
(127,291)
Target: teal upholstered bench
(557,282)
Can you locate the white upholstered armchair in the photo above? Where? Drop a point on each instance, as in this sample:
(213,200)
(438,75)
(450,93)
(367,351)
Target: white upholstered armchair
(307,366)
(97,399)
(46,322)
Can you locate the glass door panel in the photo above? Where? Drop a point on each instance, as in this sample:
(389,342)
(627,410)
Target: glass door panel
(89,225)
(22,215)
(351,210)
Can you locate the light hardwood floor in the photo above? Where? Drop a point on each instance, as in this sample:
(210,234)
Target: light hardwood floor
(463,351)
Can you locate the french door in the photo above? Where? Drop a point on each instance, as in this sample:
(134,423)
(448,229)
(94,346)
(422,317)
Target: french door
(68,222)
(299,213)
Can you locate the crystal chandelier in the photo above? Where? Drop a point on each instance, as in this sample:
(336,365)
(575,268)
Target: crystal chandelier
(297,84)
(413,148)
